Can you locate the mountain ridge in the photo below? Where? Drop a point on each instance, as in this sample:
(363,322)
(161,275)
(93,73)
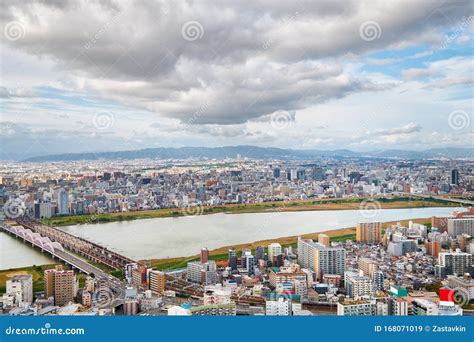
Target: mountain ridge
(254,152)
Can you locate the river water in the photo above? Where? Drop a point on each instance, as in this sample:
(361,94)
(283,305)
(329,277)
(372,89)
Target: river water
(183,236)
(14,253)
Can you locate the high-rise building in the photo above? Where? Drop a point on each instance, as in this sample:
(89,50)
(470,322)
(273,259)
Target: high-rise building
(274,249)
(320,259)
(454,177)
(194,271)
(276,172)
(63,201)
(232,259)
(260,253)
(200,273)
(367,266)
(369,233)
(204,255)
(323,239)
(250,264)
(432,248)
(61,284)
(157,281)
(379,280)
(21,288)
(454,263)
(459,226)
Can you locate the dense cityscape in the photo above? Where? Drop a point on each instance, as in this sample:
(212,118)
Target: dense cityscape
(384,269)
(94,187)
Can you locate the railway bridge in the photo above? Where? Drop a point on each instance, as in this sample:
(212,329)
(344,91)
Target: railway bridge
(87,249)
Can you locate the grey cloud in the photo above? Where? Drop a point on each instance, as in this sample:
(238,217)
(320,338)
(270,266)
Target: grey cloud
(134,52)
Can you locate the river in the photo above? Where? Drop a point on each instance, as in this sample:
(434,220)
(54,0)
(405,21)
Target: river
(183,236)
(14,253)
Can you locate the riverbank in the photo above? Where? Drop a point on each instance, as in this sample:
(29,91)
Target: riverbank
(313,205)
(220,254)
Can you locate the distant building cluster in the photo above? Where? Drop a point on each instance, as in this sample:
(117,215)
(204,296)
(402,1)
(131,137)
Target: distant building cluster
(89,188)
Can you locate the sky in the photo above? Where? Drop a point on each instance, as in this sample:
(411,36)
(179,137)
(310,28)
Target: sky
(85,76)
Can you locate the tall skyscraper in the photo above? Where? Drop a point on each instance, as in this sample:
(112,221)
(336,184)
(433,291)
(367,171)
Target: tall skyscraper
(369,233)
(454,177)
(63,202)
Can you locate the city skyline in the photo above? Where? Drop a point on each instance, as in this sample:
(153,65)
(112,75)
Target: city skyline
(90,76)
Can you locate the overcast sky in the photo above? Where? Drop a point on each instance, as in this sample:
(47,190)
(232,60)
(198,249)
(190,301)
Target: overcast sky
(82,76)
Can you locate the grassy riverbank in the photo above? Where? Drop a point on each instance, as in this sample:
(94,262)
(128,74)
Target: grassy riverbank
(307,205)
(220,254)
(37,274)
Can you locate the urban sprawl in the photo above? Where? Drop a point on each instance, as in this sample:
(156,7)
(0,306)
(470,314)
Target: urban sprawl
(395,269)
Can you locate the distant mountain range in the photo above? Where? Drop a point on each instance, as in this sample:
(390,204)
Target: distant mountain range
(254,152)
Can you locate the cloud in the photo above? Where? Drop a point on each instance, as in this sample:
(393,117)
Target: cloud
(306,60)
(407,129)
(250,60)
(18,92)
